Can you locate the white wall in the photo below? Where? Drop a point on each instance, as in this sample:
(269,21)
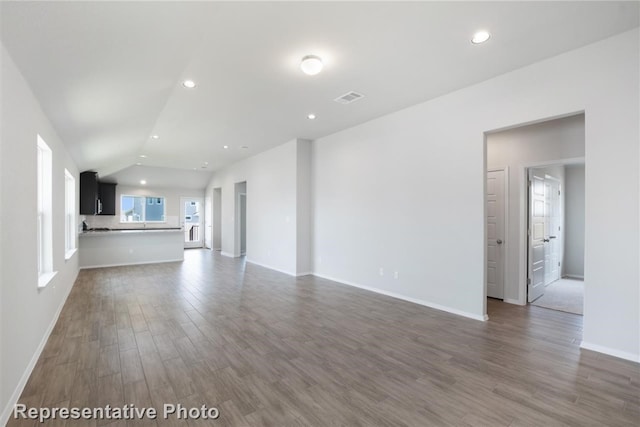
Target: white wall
(574,221)
(542,143)
(303,206)
(406,191)
(272,207)
(172,199)
(26,313)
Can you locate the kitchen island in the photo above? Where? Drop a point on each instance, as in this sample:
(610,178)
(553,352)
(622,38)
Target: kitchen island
(130,246)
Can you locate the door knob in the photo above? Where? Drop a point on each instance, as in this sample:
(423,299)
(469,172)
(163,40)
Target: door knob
(545,240)
(499,241)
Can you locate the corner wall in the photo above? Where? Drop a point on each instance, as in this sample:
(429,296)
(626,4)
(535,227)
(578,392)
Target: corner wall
(27,314)
(273,239)
(405,192)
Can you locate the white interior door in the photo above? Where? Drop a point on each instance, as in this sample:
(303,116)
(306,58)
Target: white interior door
(191,218)
(495,233)
(537,239)
(208,222)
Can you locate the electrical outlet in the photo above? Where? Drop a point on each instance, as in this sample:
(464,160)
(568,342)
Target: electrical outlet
(381,272)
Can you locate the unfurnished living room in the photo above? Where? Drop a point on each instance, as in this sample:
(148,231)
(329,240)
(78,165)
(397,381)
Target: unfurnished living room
(320,213)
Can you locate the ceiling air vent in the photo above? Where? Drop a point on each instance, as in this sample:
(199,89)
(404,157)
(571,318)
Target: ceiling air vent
(349,97)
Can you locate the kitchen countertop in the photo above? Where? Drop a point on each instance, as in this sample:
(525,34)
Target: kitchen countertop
(94,233)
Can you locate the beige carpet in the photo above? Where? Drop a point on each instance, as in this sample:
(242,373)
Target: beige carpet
(563,295)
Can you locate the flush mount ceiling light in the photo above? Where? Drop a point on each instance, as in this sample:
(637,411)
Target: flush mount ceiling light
(155,136)
(311,65)
(480,37)
(143,182)
(311,116)
(226,147)
(189,84)
(138,164)
(143,156)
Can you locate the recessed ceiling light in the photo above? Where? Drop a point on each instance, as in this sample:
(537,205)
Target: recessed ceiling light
(143,182)
(226,147)
(143,156)
(480,37)
(155,136)
(311,116)
(189,84)
(311,65)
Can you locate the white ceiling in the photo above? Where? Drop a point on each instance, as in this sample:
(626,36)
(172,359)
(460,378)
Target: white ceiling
(108,74)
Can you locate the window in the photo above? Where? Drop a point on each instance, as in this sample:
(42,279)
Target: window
(142,209)
(69,214)
(45,213)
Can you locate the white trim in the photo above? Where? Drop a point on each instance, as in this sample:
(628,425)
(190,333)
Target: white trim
(227,254)
(409,299)
(69,254)
(610,351)
(513,301)
(132,263)
(144,209)
(45,278)
(271,268)
(8,409)
(304,273)
(573,276)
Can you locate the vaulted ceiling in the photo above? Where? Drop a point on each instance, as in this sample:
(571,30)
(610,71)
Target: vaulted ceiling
(109,74)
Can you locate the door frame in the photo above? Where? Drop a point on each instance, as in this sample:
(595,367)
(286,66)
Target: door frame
(506,242)
(200,199)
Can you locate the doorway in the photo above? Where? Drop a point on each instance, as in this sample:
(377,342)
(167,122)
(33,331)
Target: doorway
(241,219)
(191,217)
(558,144)
(216,222)
(556,239)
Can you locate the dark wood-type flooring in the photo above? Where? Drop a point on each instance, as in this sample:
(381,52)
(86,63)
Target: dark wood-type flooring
(272,350)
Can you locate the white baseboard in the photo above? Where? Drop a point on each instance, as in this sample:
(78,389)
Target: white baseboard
(610,351)
(306,273)
(132,263)
(573,276)
(271,268)
(409,299)
(227,254)
(6,412)
(514,301)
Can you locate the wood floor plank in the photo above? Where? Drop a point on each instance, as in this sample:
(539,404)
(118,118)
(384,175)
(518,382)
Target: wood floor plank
(268,349)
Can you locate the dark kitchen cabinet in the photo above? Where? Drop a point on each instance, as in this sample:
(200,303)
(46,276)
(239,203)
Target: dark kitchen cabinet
(89,193)
(107,194)
(96,198)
